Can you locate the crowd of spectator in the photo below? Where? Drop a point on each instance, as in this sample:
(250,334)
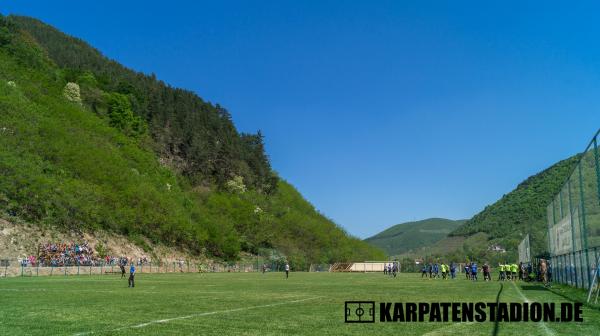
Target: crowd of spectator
(66,254)
(73,254)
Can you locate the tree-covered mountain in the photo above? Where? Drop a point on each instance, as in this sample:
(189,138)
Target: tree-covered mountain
(520,212)
(503,223)
(403,237)
(87,144)
(196,137)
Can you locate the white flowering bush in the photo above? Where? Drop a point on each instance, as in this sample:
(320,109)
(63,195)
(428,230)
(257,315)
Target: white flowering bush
(236,185)
(72,92)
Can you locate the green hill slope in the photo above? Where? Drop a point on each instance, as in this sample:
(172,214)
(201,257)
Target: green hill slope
(519,212)
(401,238)
(105,148)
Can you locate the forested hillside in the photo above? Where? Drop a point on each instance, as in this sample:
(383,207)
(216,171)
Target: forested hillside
(504,223)
(196,137)
(520,212)
(403,237)
(87,144)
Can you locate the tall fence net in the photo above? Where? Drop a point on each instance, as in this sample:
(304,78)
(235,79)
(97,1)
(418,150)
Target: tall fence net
(525,251)
(574,222)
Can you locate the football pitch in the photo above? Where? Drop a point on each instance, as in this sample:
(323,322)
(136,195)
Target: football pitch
(254,304)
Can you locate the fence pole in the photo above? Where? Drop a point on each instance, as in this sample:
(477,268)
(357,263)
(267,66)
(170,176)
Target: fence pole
(37,268)
(573,269)
(559,268)
(597,161)
(571,211)
(596,268)
(585,232)
(21,268)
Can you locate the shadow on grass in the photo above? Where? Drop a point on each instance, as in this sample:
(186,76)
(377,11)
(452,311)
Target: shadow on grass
(534,288)
(573,295)
(496,323)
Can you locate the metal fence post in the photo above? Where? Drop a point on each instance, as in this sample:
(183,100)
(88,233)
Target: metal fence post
(563,275)
(576,269)
(597,161)
(571,211)
(585,232)
(596,268)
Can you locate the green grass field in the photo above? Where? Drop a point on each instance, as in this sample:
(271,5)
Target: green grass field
(252,304)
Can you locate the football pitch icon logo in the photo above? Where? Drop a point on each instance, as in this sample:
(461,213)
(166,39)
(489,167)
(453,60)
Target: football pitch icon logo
(359,312)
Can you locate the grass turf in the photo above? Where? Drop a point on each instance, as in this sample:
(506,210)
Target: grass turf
(252,304)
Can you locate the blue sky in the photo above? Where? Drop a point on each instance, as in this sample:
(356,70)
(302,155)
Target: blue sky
(378,112)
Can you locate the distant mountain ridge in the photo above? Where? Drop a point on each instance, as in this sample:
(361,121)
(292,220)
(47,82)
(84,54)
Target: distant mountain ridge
(504,222)
(404,237)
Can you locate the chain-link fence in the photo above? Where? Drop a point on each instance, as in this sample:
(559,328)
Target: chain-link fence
(525,250)
(22,267)
(574,222)
(319,267)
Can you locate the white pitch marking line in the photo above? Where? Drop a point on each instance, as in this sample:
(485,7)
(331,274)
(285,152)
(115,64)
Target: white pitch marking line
(542,323)
(141,325)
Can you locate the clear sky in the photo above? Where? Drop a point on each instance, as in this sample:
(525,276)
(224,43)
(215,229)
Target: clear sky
(378,112)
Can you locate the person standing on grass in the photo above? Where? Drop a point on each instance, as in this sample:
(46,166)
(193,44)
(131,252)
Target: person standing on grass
(132,276)
(453,270)
(424,271)
(287,270)
(543,270)
(468,271)
(513,271)
(521,270)
(474,271)
(122,270)
(486,272)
